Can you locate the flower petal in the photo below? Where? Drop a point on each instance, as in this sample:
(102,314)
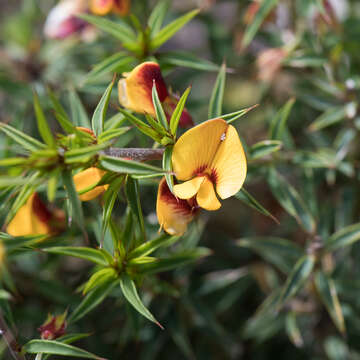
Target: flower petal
(121,7)
(135,92)
(31,219)
(189,188)
(87,179)
(194,151)
(101,7)
(206,197)
(173,214)
(62,21)
(229,165)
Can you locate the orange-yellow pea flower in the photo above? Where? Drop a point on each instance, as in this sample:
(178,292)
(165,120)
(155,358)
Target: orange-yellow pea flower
(104,7)
(210,159)
(88,179)
(173,214)
(135,92)
(34,218)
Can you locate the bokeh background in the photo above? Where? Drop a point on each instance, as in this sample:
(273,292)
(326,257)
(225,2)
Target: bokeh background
(306,50)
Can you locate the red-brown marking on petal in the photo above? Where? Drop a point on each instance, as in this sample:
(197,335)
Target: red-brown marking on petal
(182,207)
(200,171)
(40,209)
(149,73)
(121,7)
(213,176)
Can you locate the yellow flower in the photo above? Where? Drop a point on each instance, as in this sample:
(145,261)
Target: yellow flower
(104,7)
(88,179)
(210,159)
(34,218)
(173,214)
(135,92)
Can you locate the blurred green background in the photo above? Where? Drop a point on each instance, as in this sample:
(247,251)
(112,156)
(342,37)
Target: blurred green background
(210,310)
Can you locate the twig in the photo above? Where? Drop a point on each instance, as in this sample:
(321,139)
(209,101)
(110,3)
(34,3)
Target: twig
(9,338)
(138,154)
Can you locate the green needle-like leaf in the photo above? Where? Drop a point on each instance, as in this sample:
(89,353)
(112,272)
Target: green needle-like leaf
(21,138)
(171,29)
(328,294)
(42,123)
(264,9)
(278,123)
(248,199)
(167,166)
(73,197)
(98,119)
(344,237)
(277,251)
(160,114)
(176,115)
(150,246)
(93,255)
(78,113)
(119,29)
(57,348)
(128,288)
(118,62)
(133,198)
(187,60)
(157,16)
(291,201)
(92,299)
(297,278)
(216,100)
(264,148)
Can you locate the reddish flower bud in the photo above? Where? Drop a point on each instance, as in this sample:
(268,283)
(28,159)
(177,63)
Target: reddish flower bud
(53,327)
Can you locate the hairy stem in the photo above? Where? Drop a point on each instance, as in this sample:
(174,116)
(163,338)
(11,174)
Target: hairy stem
(138,154)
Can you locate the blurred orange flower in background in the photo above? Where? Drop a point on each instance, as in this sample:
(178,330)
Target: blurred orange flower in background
(135,92)
(62,20)
(34,218)
(104,7)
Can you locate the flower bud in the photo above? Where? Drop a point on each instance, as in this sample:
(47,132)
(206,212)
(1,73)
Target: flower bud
(53,327)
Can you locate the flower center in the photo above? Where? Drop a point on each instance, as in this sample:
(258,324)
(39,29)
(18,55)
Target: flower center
(211,174)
